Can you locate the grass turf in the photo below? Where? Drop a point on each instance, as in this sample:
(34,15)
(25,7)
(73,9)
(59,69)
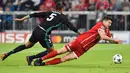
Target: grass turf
(96,60)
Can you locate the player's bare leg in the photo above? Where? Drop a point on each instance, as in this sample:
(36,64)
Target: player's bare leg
(55,61)
(17,49)
(69,56)
(50,55)
(55,53)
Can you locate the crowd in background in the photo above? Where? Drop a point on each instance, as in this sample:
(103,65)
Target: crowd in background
(69,5)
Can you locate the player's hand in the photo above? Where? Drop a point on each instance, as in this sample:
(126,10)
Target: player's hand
(17,19)
(79,32)
(119,41)
(38,62)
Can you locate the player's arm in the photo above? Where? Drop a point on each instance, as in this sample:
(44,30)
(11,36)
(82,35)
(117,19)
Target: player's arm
(21,19)
(103,36)
(38,14)
(71,27)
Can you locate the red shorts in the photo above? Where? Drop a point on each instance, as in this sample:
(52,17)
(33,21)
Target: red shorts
(76,48)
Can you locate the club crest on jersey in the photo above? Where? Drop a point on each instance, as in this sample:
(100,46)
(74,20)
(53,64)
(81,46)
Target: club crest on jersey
(102,27)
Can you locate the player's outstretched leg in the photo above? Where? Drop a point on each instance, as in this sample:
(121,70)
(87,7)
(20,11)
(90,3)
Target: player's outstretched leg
(55,53)
(17,49)
(55,61)
(29,59)
(38,62)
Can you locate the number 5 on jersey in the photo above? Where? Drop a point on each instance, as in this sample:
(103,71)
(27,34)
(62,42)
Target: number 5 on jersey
(51,17)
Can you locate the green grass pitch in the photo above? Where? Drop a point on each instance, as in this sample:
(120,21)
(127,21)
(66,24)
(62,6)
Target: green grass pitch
(97,60)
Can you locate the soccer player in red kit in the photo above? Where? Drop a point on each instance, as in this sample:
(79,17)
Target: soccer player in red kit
(81,44)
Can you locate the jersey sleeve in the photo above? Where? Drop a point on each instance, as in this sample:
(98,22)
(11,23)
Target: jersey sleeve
(99,26)
(39,14)
(69,25)
(102,28)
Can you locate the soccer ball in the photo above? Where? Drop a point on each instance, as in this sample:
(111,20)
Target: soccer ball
(117,59)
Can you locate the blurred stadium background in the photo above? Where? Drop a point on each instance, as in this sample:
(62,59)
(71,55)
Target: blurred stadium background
(83,14)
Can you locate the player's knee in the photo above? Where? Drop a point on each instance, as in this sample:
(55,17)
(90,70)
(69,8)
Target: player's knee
(50,50)
(28,45)
(61,51)
(63,60)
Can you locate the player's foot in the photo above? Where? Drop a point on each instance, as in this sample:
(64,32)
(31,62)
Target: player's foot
(4,56)
(42,64)
(38,62)
(29,60)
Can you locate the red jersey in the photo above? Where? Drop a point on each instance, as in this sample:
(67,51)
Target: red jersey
(91,37)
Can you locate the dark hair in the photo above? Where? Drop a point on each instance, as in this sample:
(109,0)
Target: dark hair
(59,6)
(107,18)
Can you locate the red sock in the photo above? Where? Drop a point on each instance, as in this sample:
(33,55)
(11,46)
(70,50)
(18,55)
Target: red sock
(54,61)
(50,55)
